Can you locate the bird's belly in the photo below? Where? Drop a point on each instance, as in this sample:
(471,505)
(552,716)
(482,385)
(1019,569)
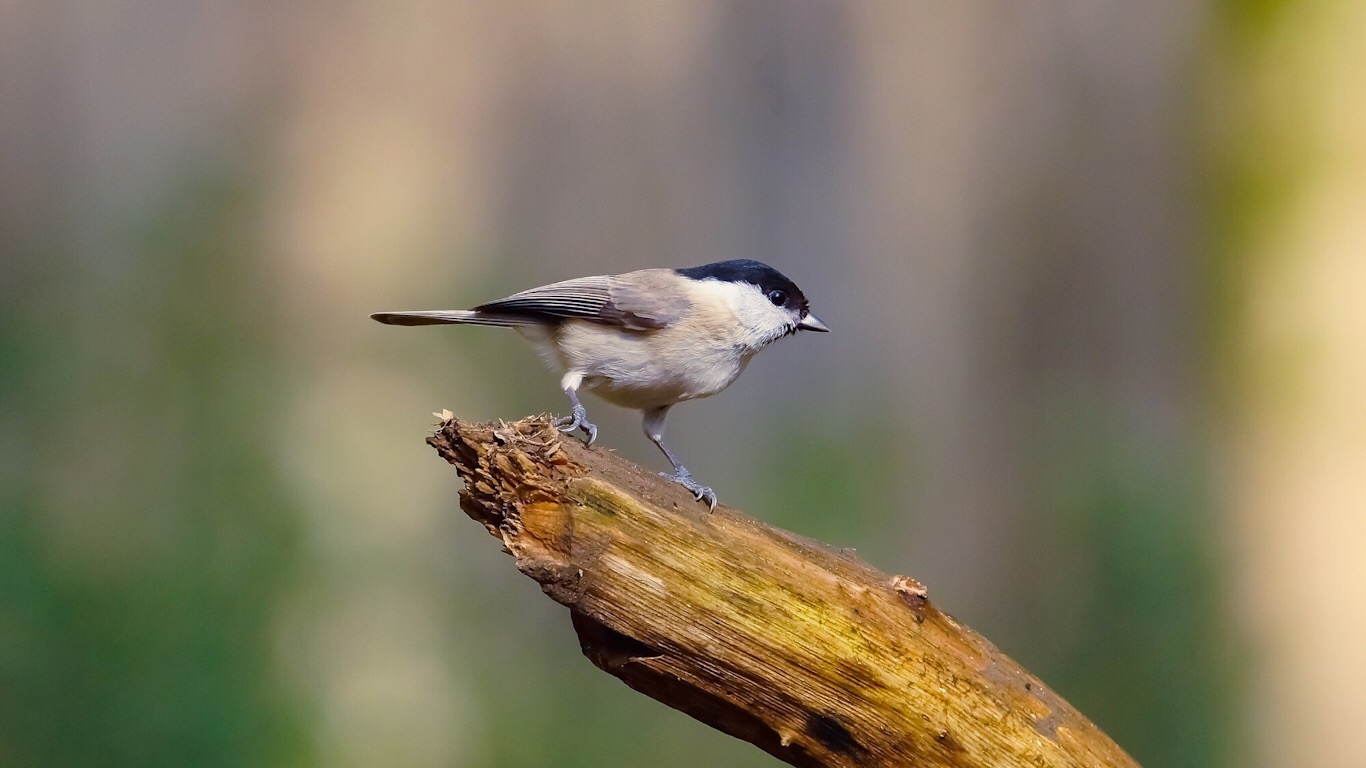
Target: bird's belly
(647,370)
(644,389)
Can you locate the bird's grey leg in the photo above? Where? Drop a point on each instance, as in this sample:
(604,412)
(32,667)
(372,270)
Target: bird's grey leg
(653,425)
(579,419)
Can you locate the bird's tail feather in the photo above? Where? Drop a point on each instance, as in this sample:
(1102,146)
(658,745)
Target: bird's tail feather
(450,317)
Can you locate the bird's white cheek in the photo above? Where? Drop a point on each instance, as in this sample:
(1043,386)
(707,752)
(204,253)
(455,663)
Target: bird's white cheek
(764,323)
(753,320)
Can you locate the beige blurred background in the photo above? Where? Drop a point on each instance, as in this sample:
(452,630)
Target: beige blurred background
(1096,274)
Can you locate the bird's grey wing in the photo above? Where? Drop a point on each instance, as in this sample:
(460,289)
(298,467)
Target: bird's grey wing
(637,300)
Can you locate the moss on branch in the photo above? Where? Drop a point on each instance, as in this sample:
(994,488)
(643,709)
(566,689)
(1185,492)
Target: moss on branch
(803,650)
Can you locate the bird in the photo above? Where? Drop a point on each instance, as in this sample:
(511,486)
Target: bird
(647,339)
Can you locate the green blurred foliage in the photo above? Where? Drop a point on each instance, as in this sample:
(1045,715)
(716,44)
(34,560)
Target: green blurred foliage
(1125,615)
(141,633)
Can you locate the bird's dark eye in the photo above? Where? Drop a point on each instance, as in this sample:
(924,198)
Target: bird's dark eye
(777,297)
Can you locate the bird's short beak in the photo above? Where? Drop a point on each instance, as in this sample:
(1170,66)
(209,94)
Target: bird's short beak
(812,323)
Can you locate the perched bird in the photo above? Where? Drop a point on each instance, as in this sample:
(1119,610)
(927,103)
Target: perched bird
(647,339)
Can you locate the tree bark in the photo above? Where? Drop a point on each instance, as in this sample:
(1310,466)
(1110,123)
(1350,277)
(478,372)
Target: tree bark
(807,652)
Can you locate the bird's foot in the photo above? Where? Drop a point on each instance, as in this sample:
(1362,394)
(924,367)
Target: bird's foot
(699,491)
(579,420)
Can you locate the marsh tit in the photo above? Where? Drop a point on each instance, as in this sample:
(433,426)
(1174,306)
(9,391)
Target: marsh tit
(647,339)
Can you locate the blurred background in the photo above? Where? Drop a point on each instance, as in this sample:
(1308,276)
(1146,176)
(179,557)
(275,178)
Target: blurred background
(1096,274)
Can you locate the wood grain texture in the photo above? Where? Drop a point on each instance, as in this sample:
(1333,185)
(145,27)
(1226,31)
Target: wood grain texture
(807,652)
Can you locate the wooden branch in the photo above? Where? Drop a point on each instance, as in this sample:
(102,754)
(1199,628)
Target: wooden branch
(804,651)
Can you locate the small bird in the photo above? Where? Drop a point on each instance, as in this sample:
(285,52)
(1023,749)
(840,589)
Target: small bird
(648,339)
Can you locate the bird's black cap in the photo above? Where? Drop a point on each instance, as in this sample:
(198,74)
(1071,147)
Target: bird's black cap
(750,271)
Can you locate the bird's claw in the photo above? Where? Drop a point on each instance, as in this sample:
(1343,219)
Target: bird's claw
(699,491)
(579,420)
